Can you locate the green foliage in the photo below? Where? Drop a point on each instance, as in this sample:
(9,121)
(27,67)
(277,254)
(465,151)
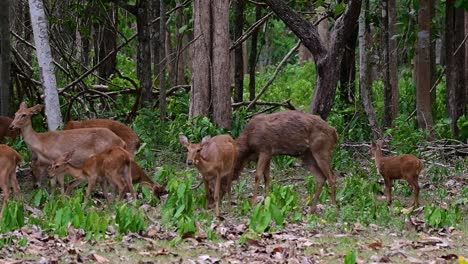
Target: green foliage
(350,257)
(462,124)
(436,216)
(129,219)
(13,217)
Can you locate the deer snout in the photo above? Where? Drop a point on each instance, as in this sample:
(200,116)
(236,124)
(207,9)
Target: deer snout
(11,127)
(189,162)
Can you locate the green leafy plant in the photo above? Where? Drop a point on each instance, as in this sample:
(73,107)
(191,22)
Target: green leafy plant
(129,219)
(13,217)
(436,216)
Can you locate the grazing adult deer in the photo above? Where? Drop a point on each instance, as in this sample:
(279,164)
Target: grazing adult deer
(112,165)
(405,167)
(9,160)
(51,145)
(121,130)
(290,133)
(4,131)
(214,158)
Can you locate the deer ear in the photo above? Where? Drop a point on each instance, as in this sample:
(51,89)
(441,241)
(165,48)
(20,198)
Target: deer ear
(37,108)
(23,105)
(69,155)
(183,140)
(205,141)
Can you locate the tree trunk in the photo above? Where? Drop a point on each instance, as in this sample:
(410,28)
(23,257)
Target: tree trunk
(162,56)
(389,113)
(181,38)
(466,63)
(238,54)
(348,69)
(327,61)
(365,75)
(144,51)
(106,39)
(253,55)
(155,38)
(220,88)
(393,56)
(46,67)
(201,65)
(433,56)
(423,97)
(4,58)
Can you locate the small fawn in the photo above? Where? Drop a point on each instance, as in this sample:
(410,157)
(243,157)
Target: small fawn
(405,167)
(112,165)
(9,160)
(214,158)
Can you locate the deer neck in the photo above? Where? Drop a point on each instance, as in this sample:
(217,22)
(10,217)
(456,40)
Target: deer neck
(378,157)
(202,165)
(30,137)
(76,172)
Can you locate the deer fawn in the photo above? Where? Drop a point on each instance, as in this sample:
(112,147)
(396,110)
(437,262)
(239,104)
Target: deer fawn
(112,165)
(121,130)
(49,146)
(405,167)
(4,131)
(214,158)
(290,133)
(9,160)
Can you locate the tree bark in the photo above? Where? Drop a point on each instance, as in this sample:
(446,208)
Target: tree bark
(5,58)
(46,67)
(253,55)
(393,55)
(144,50)
(155,38)
(348,69)
(162,56)
(106,39)
(220,88)
(201,63)
(365,76)
(238,52)
(327,61)
(466,62)
(433,55)
(423,98)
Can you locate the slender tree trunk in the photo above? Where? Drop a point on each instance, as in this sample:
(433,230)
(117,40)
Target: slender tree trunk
(365,75)
(144,51)
(155,38)
(423,98)
(170,62)
(220,88)
(389,113)
(162,55)
(180,42)
(106,36)
(4,58)
(433,55)
(238,53)
(348,69)
(450,72)
(46,67)
(466,63)
(201,63)
(393,55)
(253,55)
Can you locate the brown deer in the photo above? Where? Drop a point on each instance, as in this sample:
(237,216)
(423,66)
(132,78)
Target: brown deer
(121,130)
(9,160)
(112,165)
(4,129)
(405,167)
(138,176)
(290,133)
(51,145)
(214,158)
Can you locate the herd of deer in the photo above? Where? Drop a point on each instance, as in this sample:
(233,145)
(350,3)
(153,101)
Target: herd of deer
(102,150)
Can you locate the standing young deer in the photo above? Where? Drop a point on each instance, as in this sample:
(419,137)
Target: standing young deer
(290,133)
(405,167)
(121,130)
(9,160)
(51,145)
(112,165)
(214,158)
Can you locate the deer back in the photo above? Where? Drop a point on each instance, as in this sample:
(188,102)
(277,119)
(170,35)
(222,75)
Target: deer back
(5,131)
(121,130)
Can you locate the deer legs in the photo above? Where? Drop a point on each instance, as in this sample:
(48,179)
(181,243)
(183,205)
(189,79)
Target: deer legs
(263,171)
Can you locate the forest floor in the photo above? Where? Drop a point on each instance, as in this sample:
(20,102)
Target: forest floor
(404,238)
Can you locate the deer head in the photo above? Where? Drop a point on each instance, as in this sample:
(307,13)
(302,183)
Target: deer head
(59,165)
(194,151)
(23,115)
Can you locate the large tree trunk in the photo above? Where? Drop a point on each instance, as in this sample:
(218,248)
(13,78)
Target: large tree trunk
(423,98)
(253,55)
(162,56)
(144,50)
(201,73)
(46,67)
(4,58)
(327,61)
(365,76)
(389,101)
(456,90)
(238,53)
(220,88)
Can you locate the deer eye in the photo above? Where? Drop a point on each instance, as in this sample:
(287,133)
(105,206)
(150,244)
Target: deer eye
(198,150)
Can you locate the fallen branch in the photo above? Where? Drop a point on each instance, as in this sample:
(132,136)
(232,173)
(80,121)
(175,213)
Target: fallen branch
(278,69)
(286,104)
